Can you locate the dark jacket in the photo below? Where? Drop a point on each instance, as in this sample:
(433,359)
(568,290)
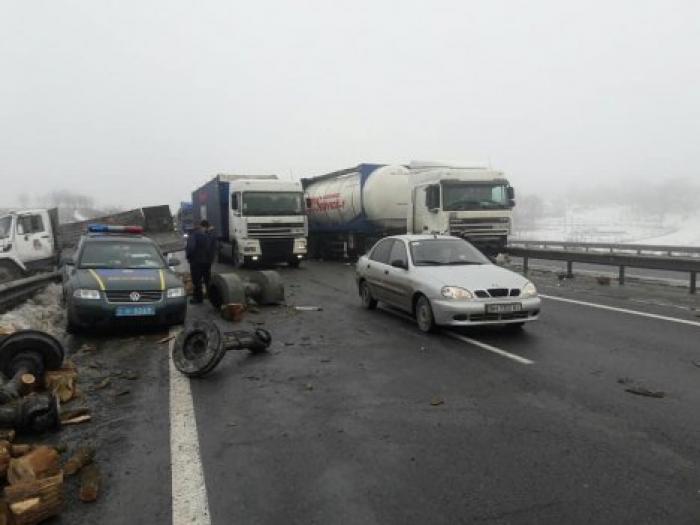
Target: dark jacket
(201,247)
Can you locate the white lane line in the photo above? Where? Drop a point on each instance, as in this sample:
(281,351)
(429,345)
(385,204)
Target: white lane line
(190,504)
(622,310)
(502,353)
(464,339)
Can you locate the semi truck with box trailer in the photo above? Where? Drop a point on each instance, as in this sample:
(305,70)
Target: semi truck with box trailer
(351,209)
(256,218)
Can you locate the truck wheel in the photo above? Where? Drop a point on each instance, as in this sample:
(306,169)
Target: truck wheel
(9,272)
(424,315)
(368,302)
(236,259)
(294,262)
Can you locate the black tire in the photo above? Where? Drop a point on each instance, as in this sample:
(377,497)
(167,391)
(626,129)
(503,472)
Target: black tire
(368,302)
(424,315)
(72,328)
(294,262)
(236,260)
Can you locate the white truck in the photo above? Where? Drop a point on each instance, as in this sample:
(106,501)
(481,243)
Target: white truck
(257,218)
(29,242)
(350,209)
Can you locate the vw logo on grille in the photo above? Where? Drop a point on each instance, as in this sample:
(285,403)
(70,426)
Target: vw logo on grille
(134,296)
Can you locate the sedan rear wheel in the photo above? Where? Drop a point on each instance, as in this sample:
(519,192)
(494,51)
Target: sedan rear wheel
(424,315)
(368,302)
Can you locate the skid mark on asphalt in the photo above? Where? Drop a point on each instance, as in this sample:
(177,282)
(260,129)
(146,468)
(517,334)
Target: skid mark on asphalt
(189,494)
(469,340)
(621,310)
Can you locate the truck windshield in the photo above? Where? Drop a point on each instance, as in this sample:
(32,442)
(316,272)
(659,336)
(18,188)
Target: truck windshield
(272,203)
(120,255)
(475,196)
(445,252)
(5,226)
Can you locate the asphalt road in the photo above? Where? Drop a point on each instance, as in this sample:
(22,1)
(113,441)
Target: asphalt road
(357,417)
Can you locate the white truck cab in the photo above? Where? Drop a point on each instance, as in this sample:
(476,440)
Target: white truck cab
(471,201)
(28,242)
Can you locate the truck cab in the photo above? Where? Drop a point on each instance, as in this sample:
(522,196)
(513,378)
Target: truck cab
(28,242)
(257,218)
(469,201)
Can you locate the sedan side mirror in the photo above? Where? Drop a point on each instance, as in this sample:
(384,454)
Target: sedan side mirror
(398,263)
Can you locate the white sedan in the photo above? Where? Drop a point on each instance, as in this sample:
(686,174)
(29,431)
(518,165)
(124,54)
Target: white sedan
(444,280)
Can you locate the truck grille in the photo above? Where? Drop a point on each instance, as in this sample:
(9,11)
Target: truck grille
(275,230)
(479,226)
(124,296)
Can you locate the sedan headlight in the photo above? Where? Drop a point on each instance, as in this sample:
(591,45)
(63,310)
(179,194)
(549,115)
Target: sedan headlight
(528,290)
(84,293)
(176,292)
(455,292)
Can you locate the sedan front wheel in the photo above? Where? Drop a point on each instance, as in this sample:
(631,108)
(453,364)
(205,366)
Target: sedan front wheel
(424,315)
(368,302)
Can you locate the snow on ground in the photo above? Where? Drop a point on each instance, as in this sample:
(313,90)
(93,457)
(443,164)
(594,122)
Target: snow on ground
(41,312)
(614,225)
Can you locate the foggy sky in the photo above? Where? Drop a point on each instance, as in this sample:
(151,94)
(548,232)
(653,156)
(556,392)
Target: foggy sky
(139,102)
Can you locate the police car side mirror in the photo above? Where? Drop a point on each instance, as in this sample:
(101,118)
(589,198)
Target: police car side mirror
(67,260)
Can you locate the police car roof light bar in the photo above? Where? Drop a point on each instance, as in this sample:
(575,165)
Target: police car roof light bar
(108,228)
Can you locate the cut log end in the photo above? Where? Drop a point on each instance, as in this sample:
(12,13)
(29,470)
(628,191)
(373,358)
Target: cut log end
(90,480)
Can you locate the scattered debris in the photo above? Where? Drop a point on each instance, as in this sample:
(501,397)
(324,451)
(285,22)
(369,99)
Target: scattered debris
(102,384)
(35,501)
(82,457)
(131,375)
(123,392)
(72,414)
(90,480)
(308,308)
(603,280)
(437,401)
(42,462)
(642,391)
(62,383)
(77,420)
(308,386)
(166,339)
(232,312)
(326,360)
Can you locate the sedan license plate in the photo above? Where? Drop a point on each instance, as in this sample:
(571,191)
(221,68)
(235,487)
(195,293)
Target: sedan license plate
(503,308)
(135,311)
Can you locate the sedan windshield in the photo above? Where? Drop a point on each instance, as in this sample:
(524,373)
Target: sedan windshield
(272,203)
(444,252)
(120,255)
(5,225)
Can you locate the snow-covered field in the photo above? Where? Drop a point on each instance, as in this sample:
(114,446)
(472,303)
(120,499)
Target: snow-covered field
(614,225)
(42,312)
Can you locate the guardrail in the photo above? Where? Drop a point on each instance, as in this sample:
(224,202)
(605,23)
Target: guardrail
(605,254)
(16,291)
(639,249)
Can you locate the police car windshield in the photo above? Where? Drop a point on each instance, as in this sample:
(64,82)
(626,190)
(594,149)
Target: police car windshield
(120,255)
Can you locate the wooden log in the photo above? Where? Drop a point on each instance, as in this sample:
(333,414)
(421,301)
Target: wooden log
(82,457)
(90,480)
(42,462)
(76,420)
(73,413)
(27,384)
(21,499)
(5,516)
(5,457)
(20,450)
(62,383)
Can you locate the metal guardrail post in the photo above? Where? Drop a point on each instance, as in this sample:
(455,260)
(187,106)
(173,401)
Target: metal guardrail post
(621,277)
(693,282)
(569,269)
(525,264)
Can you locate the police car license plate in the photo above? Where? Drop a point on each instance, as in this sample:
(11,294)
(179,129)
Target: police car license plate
(503,308)
(135,311)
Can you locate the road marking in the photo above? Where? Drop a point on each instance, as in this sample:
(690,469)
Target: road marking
(190,504)
(502,353)
(464,339)
(622,310)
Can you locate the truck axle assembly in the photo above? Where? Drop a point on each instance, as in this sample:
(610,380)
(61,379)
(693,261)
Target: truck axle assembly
(263,287)
(201,346)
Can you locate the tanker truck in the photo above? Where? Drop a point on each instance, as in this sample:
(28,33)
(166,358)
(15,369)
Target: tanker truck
(257,218)
(349,210)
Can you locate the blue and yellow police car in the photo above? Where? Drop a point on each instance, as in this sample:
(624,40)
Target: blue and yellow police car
(118,275)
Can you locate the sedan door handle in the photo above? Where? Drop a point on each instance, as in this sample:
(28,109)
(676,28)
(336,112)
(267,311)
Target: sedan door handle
(386,272)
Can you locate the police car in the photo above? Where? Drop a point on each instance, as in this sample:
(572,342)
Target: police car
(120,276)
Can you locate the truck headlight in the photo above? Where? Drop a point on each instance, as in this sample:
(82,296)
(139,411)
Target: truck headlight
(455,292)
(176,292)
(528,290)
(84,293)
(300,245)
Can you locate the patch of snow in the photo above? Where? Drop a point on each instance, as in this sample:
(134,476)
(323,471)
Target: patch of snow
(42,312)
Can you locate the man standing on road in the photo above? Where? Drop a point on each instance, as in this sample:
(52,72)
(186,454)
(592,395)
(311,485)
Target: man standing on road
(200,251)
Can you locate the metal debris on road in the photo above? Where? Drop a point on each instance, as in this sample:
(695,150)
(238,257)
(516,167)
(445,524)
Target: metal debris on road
(308,308)
(77,420)
(641,391)
(437,401)
(166,339)
(603,280)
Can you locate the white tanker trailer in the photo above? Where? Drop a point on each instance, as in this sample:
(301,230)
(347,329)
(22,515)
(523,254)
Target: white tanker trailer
(349,210)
